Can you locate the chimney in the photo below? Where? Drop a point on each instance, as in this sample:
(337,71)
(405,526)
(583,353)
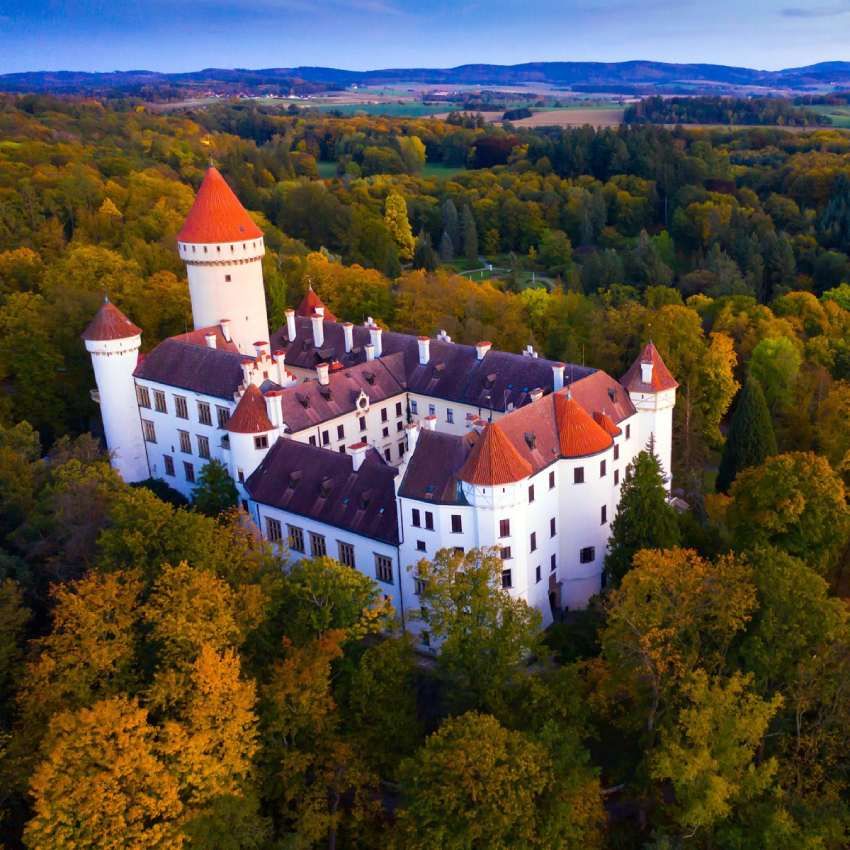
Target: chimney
(424,350)
(481,348)
(370,351)
(558,376)
(358,454)
(412,437)
(646,373)
(280,360)
(536,394)
(210,339)
(322,371)
(224,324)
(375,336)
(246,373)
(261,348)
(430,422)
(274,407)
(290,323)
(318,321)
(348,333)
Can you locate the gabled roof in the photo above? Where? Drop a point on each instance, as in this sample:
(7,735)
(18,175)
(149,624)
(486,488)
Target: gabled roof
(199,337)
(250,416)
(217,215)
(578,433)
(431,473)
(661,377)
(309,303)
(494,460)
(110,323)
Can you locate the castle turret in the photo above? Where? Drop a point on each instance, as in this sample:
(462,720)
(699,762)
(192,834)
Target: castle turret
(652,390)
(113,342)
(223,251)
(251,433)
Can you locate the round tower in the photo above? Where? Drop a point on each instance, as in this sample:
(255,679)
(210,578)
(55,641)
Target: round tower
(252,433)
(113,342)
(223,250)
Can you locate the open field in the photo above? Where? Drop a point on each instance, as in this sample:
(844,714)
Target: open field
(839,115)
(573,117)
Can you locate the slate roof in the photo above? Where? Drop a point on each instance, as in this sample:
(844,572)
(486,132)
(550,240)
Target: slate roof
(217,215)
(211,371)
(109,323)
(661,377)
(431,473)
(322,485)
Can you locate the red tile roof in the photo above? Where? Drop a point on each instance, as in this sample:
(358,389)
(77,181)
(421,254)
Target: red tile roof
(578,433)
(217,215)
(661,377)
(604,421)
(309,303)
(250,416)
(109,323)
(494,460)
(199,337)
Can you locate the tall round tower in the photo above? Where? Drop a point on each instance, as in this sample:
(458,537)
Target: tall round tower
(223,251)
(113,342)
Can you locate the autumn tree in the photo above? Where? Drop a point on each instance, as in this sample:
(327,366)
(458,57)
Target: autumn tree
(395,217)
(13,618)
(644,518)
(775,363)
(215,491)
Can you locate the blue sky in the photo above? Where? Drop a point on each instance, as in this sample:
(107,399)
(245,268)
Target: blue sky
(182,35)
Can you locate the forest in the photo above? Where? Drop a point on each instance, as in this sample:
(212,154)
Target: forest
(167,680)
(722,110)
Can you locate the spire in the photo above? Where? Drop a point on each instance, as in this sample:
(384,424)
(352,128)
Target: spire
(494,460)
(578,434)
(309,302)
(648,374)
(217,215)
(109,323)
(250,416)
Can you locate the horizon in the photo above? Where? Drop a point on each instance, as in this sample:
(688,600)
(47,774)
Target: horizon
(98,37)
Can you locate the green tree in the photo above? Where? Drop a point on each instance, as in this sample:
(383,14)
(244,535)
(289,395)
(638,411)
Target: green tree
(470,235)
(484,633)
(556,252)
(446,248)
(451,225)
(397,222)
(750,439)
(215,491)
(644,519)
(13,618)
(775,363)
(412,150)
(423,253)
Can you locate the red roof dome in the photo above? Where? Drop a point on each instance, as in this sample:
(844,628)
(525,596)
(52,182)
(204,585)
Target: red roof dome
(110,323)
(494,460)
(578,434)
(250,416)
(661,377)
(309,303)
(217,215)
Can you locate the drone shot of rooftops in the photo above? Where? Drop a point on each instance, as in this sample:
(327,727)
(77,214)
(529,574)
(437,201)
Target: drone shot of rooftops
(424,426)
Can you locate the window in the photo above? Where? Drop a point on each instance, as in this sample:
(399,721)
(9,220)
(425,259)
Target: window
(295,536)
(616,451)
(507,581)
(450,415)
(458,550)
(616,476)
(384,568)
(415,518)
(318,547)
(628,432)
(362,423)
(420,546)
(457,524)
(261,442)
(312,439)
(429,520)
(222,415)
(180,407)
(402,448)
(603,469)
(189,472)
(505,553)
(149,431)
(385,432)
(552,530)
(552,480)
(553,562)
(185,443)
(425,637)
(326,437)
(578,475)
(227,276)
(346,553)
(387,455)
(342,449)
(432,409)
(240,474)
(418,586)
(537,574)
(143,396)
(204,413)
(399,426)
(203,446)
(383,414)
(274,530)
(340,432)
(532,542)
(603,515)
(531,493)
(169,464)
(159,401)
(504,528)
(398,408)
(414,407)
(587,555)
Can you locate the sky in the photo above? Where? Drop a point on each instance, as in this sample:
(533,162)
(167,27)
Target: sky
(185,35)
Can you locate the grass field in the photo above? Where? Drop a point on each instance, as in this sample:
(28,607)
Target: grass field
(839,115)
(410,109)
(595,116)
(438,171)
(327,170)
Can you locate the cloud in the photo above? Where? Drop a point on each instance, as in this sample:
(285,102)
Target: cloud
(816,11)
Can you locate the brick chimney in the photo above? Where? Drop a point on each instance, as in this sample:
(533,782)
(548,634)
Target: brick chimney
(290,323)
(210,339)
(224,324)
(322,370)
(358,454)
(558,376)
(348,333)
(424,350)
(318,320)
(375,338)
(481,348)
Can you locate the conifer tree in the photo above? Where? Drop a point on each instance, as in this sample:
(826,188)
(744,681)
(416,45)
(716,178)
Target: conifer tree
(750,439)
(447,251)
(470,235)
(644,519)
(424,256)
(395,217)
(451,223)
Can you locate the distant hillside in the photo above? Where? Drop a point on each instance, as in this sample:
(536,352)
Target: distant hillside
(633,77)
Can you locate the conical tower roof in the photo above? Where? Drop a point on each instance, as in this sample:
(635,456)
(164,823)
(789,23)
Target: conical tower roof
(494,460)
(309,303)
(250,416)
(217,215)
(109,323)
(661,377)
(578,434)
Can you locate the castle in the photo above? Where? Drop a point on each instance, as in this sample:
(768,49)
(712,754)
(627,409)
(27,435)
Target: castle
(373,447)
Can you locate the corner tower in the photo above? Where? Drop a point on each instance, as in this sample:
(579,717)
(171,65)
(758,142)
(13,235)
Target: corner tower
(223,250)
(113,342)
